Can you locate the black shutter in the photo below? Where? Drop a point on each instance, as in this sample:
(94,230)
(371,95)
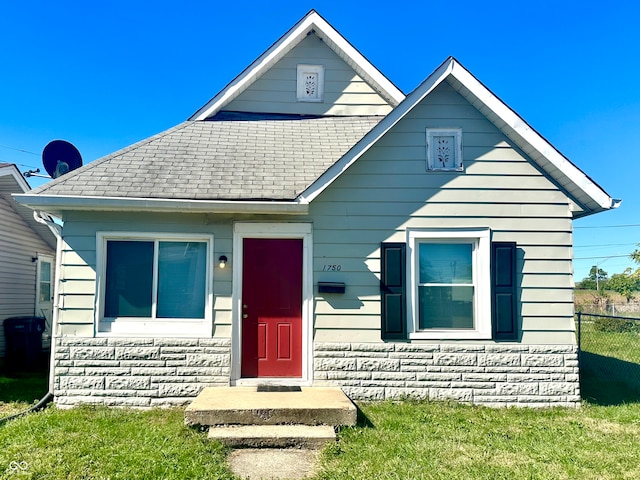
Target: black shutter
(392,291)
(504,291)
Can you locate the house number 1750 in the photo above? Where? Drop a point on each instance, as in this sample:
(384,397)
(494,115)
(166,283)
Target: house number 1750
(331,268)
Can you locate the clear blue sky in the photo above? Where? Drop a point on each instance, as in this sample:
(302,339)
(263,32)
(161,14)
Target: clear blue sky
(103,75)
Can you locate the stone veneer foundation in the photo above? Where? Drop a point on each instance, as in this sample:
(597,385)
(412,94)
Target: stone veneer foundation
(494,375)
(138,372)
(152,372)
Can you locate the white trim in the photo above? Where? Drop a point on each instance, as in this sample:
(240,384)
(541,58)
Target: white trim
(139,327)
(530,136)
(47,312)
(11,170)
(482,283)
(312,22)
(508,122)
(49,259)
(273,230)
(60,203)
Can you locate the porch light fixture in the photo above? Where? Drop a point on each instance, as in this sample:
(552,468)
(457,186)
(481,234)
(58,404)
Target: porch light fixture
(222,261)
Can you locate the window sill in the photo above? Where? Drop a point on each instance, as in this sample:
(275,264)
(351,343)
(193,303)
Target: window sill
(450,335)
(156,328)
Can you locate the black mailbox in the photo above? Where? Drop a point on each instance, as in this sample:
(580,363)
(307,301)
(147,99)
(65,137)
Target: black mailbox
(331,287)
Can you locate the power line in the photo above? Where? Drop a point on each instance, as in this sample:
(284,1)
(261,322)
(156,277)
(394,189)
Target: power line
(613,226)
(604,245)
(27,165)
(19,150)
(609,256)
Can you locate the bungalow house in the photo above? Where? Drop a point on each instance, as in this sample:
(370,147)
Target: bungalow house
(311,225)
(27,253)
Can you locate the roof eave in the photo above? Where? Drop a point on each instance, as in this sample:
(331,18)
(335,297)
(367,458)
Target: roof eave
(46,232)
(58,204)
(591,196)
(11,170)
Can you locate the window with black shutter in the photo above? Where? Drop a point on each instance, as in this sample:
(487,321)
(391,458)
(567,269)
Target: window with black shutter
(503,277)
(459,285)
(392,290)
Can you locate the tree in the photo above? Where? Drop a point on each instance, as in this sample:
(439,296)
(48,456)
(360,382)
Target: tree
(635,255)
(626,283)
(595,280)
(600,275)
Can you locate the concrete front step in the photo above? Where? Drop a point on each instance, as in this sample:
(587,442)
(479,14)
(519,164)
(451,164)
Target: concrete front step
(248,406)
(273,436)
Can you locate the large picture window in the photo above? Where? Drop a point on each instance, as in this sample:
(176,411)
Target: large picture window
(449,294)
(147,279)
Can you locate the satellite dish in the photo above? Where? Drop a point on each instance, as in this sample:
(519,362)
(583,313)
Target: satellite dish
(60,157)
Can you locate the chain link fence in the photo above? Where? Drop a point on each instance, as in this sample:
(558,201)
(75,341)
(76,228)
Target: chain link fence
(609,349)
(631,309)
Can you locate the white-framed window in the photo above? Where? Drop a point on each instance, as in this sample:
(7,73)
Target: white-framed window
(310,83)
(444,149)
(154,283)
(449,284)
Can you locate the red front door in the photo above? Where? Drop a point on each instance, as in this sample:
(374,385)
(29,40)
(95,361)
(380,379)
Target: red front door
(272,308)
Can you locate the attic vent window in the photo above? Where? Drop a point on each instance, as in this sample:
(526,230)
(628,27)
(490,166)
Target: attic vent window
(444,149)
(310,83)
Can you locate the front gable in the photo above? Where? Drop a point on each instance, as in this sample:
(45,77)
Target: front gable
(343,90)
(314,26)
(586,197)
(490,160)
(498,185)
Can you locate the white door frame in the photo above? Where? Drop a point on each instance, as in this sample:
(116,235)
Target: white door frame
(273,230)
(38,310)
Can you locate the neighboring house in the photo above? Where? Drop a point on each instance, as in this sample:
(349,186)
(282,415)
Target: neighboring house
(27,252)
(311,225)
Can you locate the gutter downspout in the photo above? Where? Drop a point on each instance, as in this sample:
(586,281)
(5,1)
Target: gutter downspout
(57,231)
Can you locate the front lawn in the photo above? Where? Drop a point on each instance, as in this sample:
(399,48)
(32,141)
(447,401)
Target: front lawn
(432,440)
(101,443)
(395,440)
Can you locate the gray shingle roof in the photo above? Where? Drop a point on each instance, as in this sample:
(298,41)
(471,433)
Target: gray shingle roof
(272,159)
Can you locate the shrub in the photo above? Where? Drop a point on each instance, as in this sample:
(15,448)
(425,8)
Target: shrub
(616,325)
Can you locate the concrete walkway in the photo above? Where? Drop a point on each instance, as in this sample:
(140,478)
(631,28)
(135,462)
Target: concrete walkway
(271,464)
(252,417)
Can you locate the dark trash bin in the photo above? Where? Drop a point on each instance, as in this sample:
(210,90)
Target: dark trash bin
(24,341)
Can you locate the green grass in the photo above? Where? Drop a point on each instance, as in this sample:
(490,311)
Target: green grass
(621,345)
(609,365)
(394,440)
(102,443)
(449,441)
(20,390)
(398,440)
